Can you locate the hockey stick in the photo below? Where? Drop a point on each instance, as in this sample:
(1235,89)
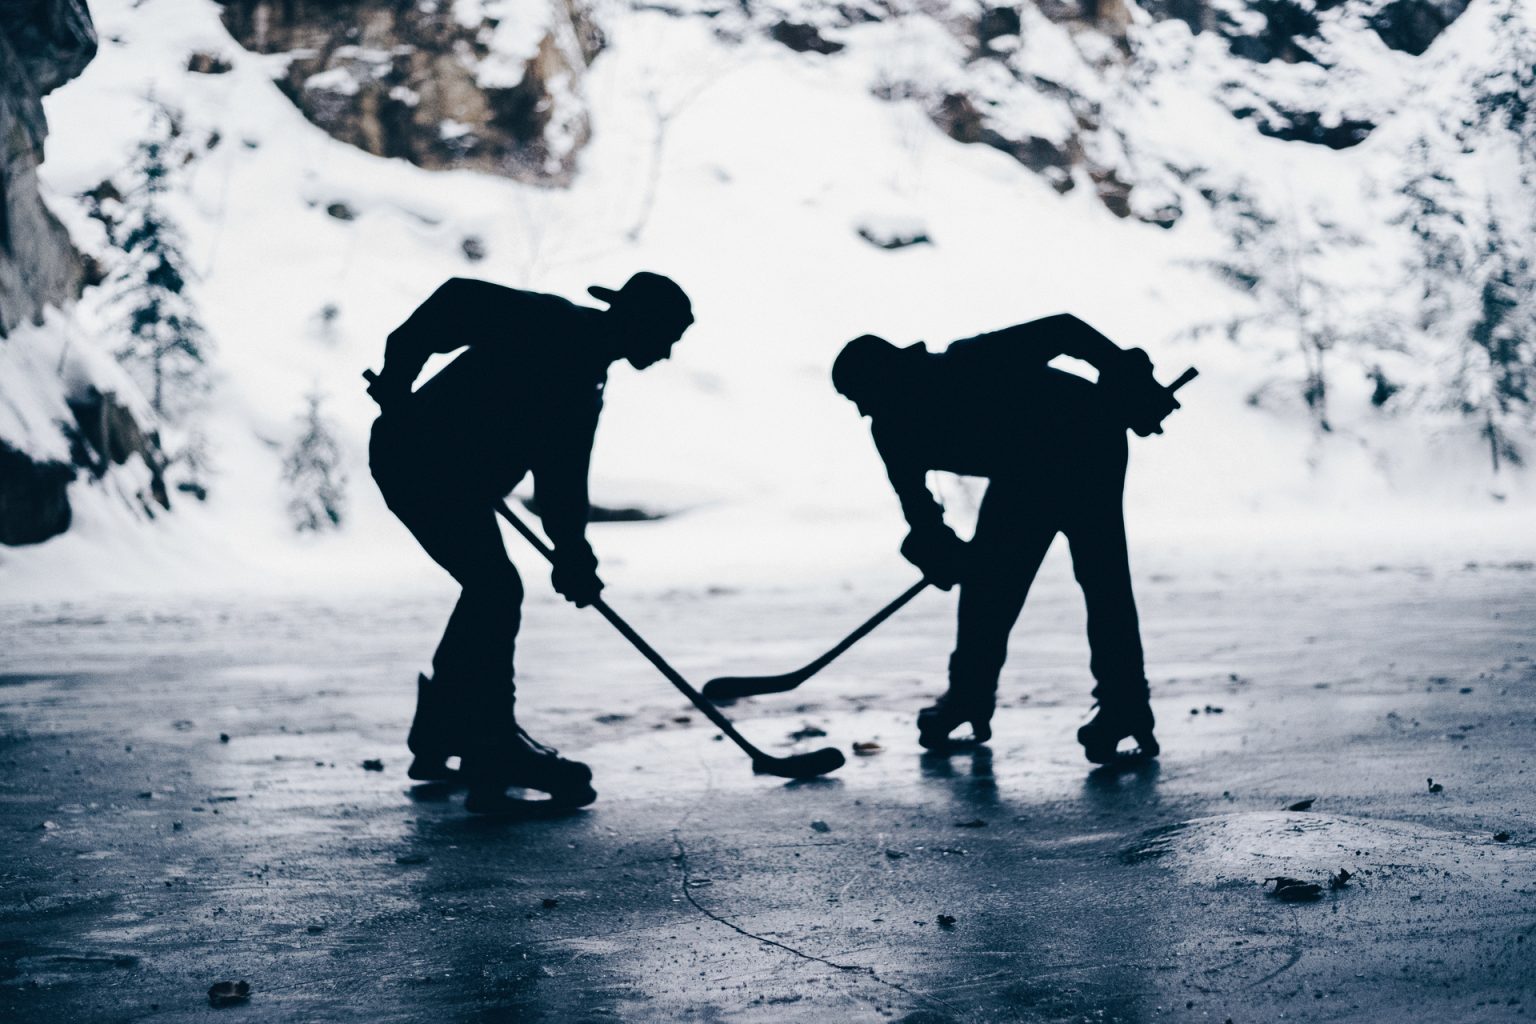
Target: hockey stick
(729,688)
(798,766)
(1184,378)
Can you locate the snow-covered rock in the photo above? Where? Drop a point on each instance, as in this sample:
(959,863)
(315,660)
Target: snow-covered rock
(491,85)
(61,416)
(42,45)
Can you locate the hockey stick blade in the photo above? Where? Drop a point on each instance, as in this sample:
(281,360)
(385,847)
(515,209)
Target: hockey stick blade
(729,688)
(811,765)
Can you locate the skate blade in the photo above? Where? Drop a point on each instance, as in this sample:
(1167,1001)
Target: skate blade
(980,736)
(1123,760)
(434,792)
(431,770)
(954,745)
(503,805)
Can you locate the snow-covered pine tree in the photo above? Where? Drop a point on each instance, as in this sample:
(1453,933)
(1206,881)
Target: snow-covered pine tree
(1494,384)
(1506,96)
(1281,263)
(167,349)
(325,323)
(1497,383)
(312,472)
(192,462)
(1431,210)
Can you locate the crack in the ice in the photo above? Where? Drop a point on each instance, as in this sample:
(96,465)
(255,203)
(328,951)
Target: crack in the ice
(1295,959)
(636,862)
(682,863)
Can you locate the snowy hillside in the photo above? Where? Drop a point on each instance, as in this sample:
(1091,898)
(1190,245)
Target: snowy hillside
(762,177)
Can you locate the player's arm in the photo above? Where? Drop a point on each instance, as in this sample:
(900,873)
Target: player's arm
(930,545)
(560,486)
(460,312)
(909,479)
(1040,341)
(1125,374)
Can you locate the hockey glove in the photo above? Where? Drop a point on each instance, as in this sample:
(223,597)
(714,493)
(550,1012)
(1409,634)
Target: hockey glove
(1135,397)
(390,391)
(939,554)
(576,581)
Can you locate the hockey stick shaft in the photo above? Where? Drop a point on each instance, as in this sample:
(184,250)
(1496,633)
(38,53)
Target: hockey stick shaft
(868,627)
(732,687)
(1183,378)
(638,642)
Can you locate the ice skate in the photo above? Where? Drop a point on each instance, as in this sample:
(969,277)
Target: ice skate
(518,760)
(949,712)
(1101,736)
(433,733)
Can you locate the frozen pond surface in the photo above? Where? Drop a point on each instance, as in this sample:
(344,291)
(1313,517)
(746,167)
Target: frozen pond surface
(144,859)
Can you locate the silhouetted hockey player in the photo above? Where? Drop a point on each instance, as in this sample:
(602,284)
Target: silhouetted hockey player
(1053,446)
(524,397)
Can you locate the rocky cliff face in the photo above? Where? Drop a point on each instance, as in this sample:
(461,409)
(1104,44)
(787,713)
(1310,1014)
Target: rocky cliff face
(489,85)
(1055,84)
(42,45)
(1060,84)
(56,420)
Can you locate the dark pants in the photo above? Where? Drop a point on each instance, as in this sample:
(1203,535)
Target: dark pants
(454,520)
(1020,516)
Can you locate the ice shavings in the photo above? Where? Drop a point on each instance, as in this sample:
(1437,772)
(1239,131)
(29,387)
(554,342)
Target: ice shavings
(1265,845)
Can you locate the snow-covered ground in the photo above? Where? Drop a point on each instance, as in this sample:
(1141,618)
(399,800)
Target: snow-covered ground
(770,162)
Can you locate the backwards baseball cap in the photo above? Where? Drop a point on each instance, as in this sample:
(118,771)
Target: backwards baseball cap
(651,296)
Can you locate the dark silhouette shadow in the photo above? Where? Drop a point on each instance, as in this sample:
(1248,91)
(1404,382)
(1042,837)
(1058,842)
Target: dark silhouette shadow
(940,764)
(523,397)
(1053,447)
(514,808)
(1124,791)
(979,789)
(1122,777)
(820,782)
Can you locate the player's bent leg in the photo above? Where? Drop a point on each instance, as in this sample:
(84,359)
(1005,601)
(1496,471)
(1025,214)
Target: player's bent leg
(1101,564)
(472,667)
(1006,553)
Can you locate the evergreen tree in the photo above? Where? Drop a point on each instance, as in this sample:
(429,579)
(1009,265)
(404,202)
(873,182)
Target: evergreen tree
(192,461)
(1497,378)
(1506,96)
(1494,382)
(1431,211)
(167,348)
(1280,262)
(313,474)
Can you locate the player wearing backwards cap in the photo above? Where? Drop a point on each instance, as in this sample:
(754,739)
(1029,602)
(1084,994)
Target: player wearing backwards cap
(523,397)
